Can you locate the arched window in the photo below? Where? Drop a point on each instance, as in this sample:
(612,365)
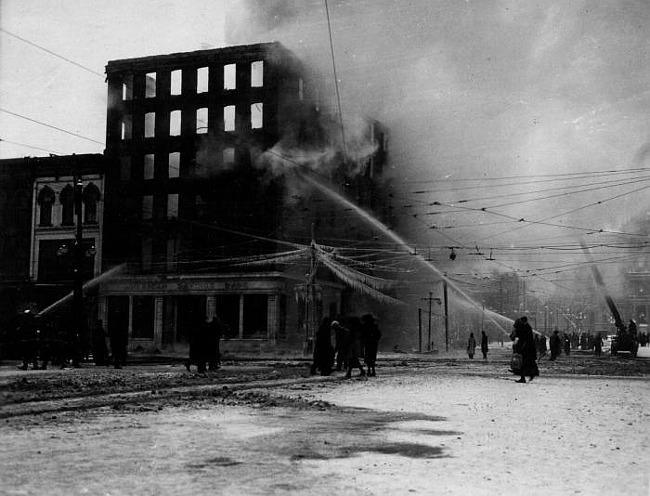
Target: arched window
(45,200)
(67,206)
(91,196)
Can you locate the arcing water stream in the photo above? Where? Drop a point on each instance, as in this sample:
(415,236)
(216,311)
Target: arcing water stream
(93,282)
(404,245)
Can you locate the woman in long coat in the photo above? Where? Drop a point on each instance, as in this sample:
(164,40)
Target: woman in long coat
(525,345)
(471,345)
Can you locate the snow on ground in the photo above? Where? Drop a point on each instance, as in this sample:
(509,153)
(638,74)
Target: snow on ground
(404,432)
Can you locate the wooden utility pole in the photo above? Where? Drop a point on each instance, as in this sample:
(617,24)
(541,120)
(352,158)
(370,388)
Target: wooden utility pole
(444,291)
(430,299)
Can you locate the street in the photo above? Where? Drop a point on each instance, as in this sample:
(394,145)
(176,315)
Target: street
(423,426)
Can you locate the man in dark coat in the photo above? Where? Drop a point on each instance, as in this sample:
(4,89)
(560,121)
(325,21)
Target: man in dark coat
(342,337)
(119,341)
(355,350)
(199,342)
(27,334)
(100,352)
(525,345)
(371,337)
(484,345)
(214,331)
(323,349)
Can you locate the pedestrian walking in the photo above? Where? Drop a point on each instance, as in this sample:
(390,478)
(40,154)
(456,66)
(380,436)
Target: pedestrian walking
(471,345)
(484,345)
(555,343)
(323,359)
(525,345)
(371,337)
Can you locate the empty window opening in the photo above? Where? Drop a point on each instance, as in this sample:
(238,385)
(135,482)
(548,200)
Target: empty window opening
(127,87)
(177,82)
(228,158)
(202,79)
(66,197)
(45,201)
(201,121)
(230,77)
(150,85)
(149,124)
(148,166)
(229,118)
(90,198)
(257,115)
(174,164)
(172,205)
(126,126)
(175,123)
(257,74)
(125,168)
(147,207)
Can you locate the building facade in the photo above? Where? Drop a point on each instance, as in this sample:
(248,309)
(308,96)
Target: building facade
(189,203)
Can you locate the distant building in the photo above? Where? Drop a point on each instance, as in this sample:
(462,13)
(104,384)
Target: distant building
(188,204)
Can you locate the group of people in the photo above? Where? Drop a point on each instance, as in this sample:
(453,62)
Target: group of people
(344,346)
(471,345)
(205,346)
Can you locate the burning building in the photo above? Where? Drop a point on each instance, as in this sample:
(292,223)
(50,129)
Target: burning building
(202,187)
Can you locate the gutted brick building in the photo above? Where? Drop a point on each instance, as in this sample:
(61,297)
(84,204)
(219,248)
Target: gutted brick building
(189,201)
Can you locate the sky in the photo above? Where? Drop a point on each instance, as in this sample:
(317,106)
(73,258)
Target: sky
(472,91)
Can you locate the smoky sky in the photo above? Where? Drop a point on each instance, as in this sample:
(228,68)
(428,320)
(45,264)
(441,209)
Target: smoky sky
(480,89)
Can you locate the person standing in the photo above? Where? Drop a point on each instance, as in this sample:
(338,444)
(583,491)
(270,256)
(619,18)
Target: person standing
(213,333)
(484,345)
(100,352)
(525,345)
(598,345)
(471,345)
(198,352)
(342,336)
(27,334)
(371,337)
(323,349)
(555,344)
(567,345)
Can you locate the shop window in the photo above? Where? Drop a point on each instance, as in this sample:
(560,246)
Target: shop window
(228,158)
(201,120)
(149,164)
(127,87)
(174,164)
(172,205)
(45,200)
(230,77)
(147,207)
(125,168)
(150,85)
(149,124)
(229,118)
(257,74)
(90,198)
(227,309)
(143,317)
(66,198)
(202,80)
(126,126)
(255,316)
(175,123)
(177,82)
(257,115)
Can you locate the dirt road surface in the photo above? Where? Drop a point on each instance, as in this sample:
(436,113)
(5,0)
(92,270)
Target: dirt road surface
(424,425)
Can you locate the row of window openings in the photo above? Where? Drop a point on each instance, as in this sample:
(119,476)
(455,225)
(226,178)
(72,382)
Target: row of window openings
(173,168)
(46,198)
(256,122)
(202,79)
(171,208)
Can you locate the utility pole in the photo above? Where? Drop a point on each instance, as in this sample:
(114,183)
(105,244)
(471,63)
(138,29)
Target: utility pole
(430,299)
(444,292)
(79,317)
